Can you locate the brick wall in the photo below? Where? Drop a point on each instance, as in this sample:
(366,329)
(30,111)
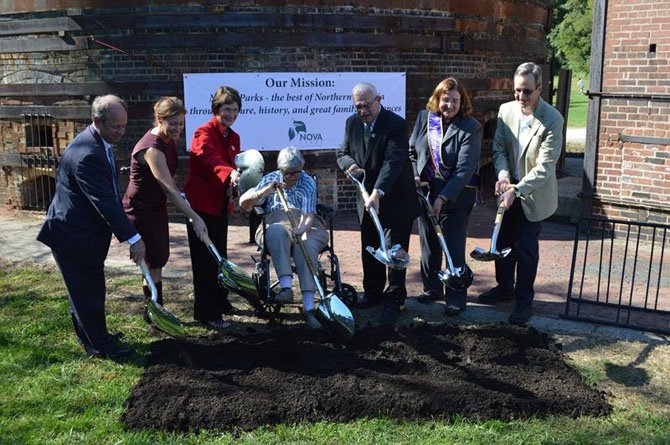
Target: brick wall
(478,42)
(633,160)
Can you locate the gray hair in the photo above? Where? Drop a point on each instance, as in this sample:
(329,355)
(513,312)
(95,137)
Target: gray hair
(102,104)
(530,68)
(290,158)
(363,88)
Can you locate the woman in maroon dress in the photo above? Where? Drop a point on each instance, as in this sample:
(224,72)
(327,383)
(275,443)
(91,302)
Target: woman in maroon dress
(153,164)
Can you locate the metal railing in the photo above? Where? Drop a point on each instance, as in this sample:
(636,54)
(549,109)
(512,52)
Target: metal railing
(620,275)
(38,161)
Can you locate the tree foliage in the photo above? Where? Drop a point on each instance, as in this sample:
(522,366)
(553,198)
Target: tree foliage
(570,37)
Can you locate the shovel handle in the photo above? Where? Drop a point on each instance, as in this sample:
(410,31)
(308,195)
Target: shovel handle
(212,249)
(496,227)
(147,277)
(301,245)
(371,211)
(500,212)
(361,187)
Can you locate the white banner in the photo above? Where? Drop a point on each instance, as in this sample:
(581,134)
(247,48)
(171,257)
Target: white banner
(304,110)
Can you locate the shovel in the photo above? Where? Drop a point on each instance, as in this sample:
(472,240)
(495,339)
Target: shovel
(453,277)
(235,279)
(331,311)
(492,254)
(163,319)
(388,257)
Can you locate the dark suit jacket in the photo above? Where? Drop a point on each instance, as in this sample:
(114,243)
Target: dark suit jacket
(461,148)
(85,210)
(387,166)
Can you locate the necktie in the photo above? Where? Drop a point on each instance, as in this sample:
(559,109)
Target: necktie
(367,132)
(112,163)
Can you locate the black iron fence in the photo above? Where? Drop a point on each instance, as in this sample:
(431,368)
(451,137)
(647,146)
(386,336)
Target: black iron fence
(620,275)
(38,162)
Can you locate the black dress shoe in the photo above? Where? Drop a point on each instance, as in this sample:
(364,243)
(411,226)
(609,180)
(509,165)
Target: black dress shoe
(110,350)
(118,352)
(229,309)
(426,298)
(452,311)
(495,295)
(521,315)
(364,302)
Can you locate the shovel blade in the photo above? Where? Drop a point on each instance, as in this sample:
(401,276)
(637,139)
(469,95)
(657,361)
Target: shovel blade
(336,317)
(462,277)
(165,320)
(480,254)
(456,282)
(383,258)
(235,279)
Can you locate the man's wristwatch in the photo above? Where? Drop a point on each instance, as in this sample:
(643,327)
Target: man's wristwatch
(517,193)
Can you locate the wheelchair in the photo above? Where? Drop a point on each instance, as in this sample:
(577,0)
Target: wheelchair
(268,287)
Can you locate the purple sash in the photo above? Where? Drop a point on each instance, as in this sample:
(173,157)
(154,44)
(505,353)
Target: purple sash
(434,135)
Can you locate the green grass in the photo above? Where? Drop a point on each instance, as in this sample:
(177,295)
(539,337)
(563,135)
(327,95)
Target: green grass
(52,394)
(578,108)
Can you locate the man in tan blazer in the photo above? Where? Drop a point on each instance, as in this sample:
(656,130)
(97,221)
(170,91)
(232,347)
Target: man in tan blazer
(526,147)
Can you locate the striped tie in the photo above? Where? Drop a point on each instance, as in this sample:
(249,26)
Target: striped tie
(367,132)
(112,163)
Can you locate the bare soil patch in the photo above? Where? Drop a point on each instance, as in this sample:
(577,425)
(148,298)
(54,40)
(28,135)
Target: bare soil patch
(291,374)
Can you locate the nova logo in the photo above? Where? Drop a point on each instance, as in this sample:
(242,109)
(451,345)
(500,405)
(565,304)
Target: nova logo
(299,129)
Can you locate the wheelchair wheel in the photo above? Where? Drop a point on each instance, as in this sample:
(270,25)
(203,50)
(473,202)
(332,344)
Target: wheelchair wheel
(262,304)
(348,294)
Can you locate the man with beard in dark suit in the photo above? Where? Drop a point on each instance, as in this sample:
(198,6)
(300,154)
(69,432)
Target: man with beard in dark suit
(83,214)
(375,141)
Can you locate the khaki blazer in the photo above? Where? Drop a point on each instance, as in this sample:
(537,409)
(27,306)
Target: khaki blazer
(537,164)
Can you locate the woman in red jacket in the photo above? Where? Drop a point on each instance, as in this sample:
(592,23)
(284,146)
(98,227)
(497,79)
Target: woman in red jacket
(209,188)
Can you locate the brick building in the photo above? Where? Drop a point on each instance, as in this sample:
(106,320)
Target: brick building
(627,159)
(57,55)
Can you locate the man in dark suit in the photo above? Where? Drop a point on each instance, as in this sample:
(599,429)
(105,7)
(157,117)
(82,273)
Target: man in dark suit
(85,211)
(375,141)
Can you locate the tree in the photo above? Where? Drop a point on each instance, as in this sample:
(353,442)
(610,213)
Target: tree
(570,37)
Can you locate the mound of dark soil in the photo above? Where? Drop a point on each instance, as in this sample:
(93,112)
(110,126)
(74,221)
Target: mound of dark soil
(291,375)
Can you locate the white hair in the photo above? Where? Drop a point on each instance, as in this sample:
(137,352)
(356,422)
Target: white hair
(102,104)
(363,88)
(290,158)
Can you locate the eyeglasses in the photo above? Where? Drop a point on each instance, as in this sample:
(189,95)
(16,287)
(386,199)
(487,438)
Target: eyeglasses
(293,173)
(365,105)
(526,91)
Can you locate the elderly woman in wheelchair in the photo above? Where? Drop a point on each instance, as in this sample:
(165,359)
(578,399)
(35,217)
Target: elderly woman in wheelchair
(300,191)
